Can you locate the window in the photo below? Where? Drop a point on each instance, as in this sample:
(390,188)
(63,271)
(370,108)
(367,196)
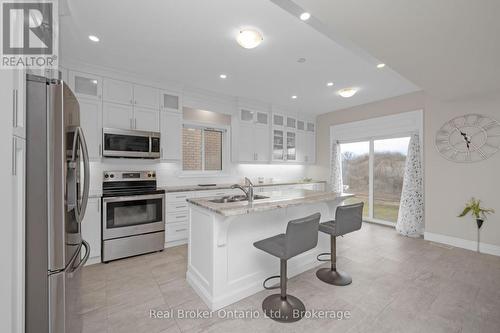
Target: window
(355,171)
(202,148)
(373,170)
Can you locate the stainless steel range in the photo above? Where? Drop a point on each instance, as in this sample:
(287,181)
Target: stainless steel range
(133,217)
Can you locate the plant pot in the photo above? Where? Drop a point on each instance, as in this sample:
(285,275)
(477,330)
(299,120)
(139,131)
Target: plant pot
(479,223)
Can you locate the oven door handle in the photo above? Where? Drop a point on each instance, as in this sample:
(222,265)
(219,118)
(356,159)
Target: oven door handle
(133,198)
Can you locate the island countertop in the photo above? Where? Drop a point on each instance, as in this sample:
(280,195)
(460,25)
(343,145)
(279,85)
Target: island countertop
(276,200)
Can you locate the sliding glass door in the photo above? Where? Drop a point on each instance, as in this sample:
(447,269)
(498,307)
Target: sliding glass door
(373,170)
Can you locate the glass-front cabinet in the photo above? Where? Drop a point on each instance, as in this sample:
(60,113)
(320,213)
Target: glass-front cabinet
(86,85)
(278,145)
(291,146)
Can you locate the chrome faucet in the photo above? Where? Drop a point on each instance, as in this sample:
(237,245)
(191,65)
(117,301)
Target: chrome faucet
(248,191)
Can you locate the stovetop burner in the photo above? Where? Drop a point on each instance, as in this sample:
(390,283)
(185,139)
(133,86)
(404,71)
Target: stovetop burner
(127,183)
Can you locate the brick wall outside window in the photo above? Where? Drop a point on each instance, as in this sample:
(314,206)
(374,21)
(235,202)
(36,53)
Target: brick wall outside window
(193,142)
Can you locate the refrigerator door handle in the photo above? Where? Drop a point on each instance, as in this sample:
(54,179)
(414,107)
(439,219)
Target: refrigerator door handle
(71,269)
(79,140)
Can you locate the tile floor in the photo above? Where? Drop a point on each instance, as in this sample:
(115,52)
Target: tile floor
(399,285)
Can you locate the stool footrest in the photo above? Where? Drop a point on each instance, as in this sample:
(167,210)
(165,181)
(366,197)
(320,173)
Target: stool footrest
(318,257)
(269,278)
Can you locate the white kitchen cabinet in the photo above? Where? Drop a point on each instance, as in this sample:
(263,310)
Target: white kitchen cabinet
(85,85)
(118,116)
(116,91)
(246,144)
(278,145)
(170,101)
(18,103)
(253,136)
(278,120)
(261,143)
(91,123)
(17,233)
(91,229)
(146,97)
(302,146)
(146,119)
(171,135)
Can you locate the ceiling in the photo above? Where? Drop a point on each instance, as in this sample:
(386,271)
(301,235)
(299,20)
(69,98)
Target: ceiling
(449,48)
(193,41)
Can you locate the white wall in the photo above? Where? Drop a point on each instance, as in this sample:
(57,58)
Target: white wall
(448,185)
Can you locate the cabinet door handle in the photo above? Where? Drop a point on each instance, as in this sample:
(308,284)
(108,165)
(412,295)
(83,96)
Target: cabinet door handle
(180,206)
(161,152)
(131,123)
(135,123)
(131,102)
(183,229)
(14,156)
(100,149)
(180,216)
(14,108)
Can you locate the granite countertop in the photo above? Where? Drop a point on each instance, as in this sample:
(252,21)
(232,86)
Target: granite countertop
(277,199)
(185,188)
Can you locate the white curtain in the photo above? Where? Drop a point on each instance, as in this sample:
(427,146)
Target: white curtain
(411,209)
(336,168)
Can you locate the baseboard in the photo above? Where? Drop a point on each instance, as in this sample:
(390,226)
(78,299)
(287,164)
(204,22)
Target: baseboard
(176,243)
(93,261)
(463,243)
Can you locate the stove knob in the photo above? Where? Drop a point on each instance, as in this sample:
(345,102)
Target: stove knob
(112,176)
(149,175)
(154,174)
(106,175)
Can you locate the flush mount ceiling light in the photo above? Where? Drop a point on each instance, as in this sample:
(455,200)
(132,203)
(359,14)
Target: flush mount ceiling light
(305,16)
(249,38)
(94,38)
(380,65)
(223,76)
(329,84)
(347,92)
(294,97)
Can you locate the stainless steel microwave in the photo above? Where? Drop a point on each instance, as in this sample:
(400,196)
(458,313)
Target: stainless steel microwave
(130,143)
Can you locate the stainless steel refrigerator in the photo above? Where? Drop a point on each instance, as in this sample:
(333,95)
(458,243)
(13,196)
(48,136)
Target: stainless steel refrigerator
(57,190)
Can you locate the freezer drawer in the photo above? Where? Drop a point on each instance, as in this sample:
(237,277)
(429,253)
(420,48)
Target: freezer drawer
(130,246)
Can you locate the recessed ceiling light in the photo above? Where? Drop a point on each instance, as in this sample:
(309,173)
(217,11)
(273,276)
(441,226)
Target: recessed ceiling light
(94,81)
(294,97)
(347,92)
(329,84)
(249,38)
(301,60)
(94,38)
(380,65)
(223,76)
(305,16)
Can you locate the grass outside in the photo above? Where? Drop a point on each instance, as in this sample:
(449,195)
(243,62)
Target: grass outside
(382,210)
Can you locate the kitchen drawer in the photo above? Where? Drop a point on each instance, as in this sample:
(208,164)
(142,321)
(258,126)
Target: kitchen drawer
(177,207)
(179,196)
(176,231)
(177,217)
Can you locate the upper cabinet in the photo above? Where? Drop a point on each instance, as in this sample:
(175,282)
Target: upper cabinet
(252,136)
(91,123)
(116,91)
(171,135)
(86,85)
(18,103)
(291,123)
(146,97)
(170,101)
(278,120)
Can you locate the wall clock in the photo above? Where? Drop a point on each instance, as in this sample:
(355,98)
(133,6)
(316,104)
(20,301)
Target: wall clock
(469,138)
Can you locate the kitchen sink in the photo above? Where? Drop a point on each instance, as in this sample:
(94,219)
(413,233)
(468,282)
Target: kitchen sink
(236,198)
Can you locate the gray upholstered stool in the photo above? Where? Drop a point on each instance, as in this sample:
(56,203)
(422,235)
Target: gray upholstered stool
(301,236)
(348,218)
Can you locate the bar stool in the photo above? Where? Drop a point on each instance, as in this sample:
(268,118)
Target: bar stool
(301,235)
(348,218)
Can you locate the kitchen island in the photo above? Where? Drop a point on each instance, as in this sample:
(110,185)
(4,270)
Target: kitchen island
(223,265)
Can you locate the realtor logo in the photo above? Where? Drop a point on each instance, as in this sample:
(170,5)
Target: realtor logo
(29,34)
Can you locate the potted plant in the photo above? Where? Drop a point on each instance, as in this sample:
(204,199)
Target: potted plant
(479,213)
(474,207)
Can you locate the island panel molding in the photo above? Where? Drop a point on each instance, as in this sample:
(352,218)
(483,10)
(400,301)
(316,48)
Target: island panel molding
(469,138)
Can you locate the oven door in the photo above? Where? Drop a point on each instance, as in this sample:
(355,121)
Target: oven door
(127,143)
(132,215)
